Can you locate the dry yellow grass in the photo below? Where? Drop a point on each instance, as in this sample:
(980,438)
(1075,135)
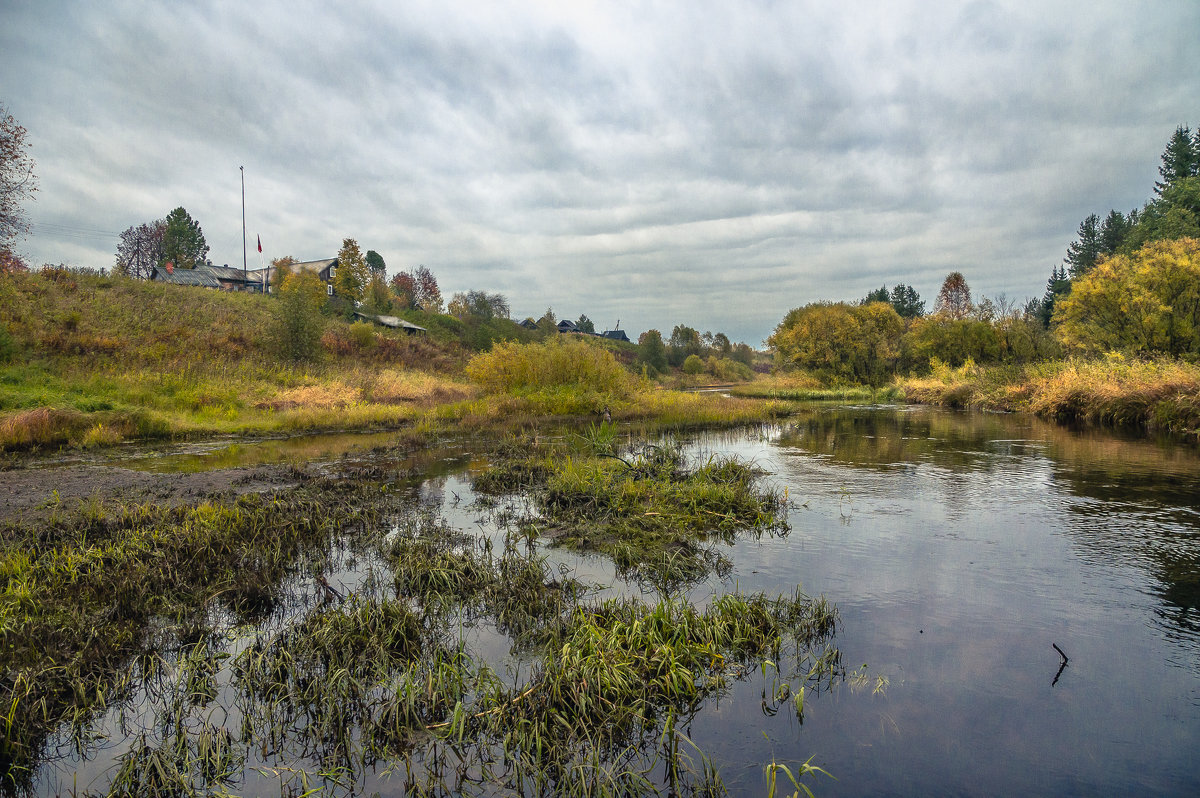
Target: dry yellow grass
(1155,395)
(332,394)
(394,386)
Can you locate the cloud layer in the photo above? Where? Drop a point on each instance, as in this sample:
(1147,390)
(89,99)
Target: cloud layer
(712,164)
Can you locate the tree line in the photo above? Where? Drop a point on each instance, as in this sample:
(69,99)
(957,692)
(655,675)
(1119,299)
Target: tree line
(1171,214)
(1128,283)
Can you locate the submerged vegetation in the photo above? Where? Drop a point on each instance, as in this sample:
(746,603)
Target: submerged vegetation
(82,591)
(653,512)
(214,649)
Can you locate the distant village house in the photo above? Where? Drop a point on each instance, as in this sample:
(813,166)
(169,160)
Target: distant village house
(222,278)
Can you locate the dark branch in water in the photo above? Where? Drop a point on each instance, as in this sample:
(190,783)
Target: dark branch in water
(329,591)
(618,457)
(1062,667)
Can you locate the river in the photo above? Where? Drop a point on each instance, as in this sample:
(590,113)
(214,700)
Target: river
(961,549)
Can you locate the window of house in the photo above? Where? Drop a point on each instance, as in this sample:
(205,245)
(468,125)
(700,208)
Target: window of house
(329,289)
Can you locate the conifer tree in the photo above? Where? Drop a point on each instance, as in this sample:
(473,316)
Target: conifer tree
(878,295)
(1083,251)
(1180,159)
(183,241)
(1057,287)
(907,301)
(1113,232)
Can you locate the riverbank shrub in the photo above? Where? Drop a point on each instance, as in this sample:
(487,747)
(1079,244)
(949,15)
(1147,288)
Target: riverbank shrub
(1155,395)
(1147,303)
(558,363)
(841,343)
(298,324)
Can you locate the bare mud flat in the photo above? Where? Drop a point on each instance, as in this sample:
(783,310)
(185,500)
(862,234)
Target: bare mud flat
(31,494)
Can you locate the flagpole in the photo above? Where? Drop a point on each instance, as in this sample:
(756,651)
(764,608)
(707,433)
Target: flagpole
(242,169)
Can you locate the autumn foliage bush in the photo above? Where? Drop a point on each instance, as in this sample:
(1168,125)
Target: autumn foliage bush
(1147,303)
(522,368)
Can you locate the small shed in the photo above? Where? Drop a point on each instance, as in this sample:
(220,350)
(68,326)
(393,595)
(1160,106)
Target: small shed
(395,322)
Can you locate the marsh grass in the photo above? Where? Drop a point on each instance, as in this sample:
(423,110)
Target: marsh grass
(80,592)
(655,513)
(1148,395)
(597,714)
(786,391)
(160,616)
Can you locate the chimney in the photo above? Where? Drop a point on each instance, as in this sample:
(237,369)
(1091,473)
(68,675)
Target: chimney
(170,267)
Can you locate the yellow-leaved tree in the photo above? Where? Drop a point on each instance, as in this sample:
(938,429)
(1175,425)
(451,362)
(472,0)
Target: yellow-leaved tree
(352,275)
(1144,303)
(841,343)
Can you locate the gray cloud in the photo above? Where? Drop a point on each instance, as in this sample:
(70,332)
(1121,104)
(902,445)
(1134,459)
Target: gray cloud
(712,164)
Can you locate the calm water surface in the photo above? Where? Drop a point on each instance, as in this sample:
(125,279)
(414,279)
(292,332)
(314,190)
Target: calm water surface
(959,548)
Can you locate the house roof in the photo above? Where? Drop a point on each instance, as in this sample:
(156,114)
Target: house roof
(230,273)
(201,275)
(315,265)
(616,335)
(391,321)
(566,325)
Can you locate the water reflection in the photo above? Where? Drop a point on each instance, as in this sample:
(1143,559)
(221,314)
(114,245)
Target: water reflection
(1127,501)
(960,547)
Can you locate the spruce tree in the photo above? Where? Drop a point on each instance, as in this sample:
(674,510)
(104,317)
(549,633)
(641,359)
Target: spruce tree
(183,241)
(1083,251)
(1057,287)
(1180,159)
(1113,232)
(907,301)
(878,295)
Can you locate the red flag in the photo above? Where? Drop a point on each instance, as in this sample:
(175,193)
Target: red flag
(260,244)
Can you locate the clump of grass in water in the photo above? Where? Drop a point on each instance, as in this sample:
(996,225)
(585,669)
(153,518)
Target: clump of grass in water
(652,511)
(444,572)
(381,678)
(352,686)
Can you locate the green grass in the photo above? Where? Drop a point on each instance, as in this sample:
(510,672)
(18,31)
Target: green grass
(656,514)
(91,361)
(854,393)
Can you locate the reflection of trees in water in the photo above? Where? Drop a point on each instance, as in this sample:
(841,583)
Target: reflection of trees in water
(1143,511)
(1142,506)
(885,438)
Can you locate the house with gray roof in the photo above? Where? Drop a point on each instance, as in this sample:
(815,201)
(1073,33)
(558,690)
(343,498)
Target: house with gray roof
(324,269)
(206,275)
(201,276)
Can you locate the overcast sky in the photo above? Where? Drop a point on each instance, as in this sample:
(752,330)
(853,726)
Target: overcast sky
(710,164)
